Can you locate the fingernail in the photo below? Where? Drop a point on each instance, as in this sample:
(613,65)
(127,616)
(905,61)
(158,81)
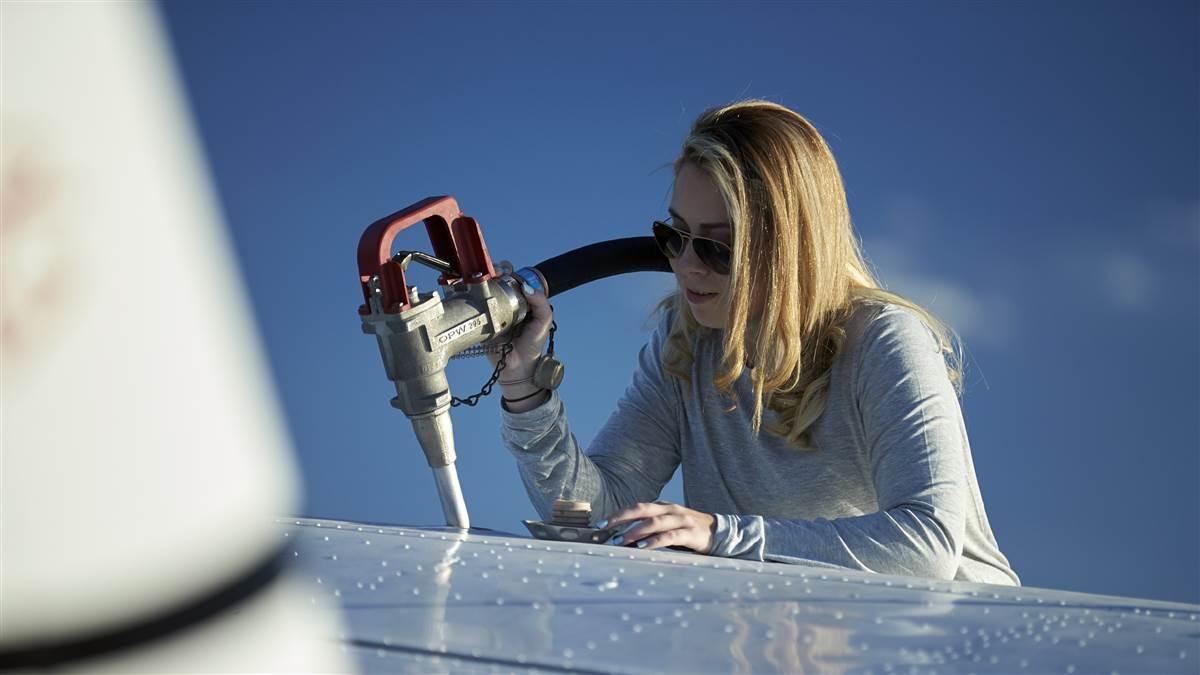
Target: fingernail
(527,288)
(641,543)
(602,524)
(617,540)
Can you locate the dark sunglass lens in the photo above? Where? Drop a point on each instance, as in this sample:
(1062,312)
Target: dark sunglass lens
(714,254)
(669,240)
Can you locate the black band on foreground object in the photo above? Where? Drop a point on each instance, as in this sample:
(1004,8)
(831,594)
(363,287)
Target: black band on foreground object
(601,260)
(51,653)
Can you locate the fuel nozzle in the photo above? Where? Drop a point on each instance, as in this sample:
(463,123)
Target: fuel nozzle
(418,332)
(416,345)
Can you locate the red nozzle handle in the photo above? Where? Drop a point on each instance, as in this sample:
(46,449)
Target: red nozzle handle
(456,239)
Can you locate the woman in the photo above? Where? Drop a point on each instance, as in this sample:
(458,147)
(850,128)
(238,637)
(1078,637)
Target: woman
(815,415)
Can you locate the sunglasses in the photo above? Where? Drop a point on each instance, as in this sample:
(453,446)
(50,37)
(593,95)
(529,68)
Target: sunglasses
(714,254)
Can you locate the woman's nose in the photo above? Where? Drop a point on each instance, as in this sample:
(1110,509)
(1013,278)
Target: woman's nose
(689,261)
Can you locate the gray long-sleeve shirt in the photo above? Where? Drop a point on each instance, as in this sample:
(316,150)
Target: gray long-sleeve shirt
(890,488)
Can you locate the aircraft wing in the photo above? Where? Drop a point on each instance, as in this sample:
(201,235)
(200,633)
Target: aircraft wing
(437,599)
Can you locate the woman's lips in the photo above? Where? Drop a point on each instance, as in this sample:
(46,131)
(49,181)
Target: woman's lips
(697,298)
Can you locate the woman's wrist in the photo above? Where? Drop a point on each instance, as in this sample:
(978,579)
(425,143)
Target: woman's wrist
(516,397)
(524,402)
(512,391)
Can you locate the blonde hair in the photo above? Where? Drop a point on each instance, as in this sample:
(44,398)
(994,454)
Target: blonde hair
(784,195)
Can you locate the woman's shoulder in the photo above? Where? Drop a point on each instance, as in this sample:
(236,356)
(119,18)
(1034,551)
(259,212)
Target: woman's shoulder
(889,344)
(878,327)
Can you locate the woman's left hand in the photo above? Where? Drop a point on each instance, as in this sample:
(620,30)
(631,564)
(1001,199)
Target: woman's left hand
(662,524)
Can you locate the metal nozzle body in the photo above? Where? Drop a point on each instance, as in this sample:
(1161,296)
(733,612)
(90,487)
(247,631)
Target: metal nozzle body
(416,345)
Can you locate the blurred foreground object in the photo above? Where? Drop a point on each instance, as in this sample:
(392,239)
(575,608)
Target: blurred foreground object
(143,454)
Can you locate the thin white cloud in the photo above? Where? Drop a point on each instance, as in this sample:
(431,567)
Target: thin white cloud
(979,318)
(1176,223)
(1128,280)
(1131,268)
(984,317)
(952,303)
(909,214)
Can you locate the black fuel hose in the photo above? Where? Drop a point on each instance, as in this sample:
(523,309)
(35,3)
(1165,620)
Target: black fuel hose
(600,260)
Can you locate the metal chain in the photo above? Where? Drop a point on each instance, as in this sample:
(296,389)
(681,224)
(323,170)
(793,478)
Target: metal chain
(505,350)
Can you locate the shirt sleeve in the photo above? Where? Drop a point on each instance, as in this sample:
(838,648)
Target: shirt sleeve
(913,428)
(632,457)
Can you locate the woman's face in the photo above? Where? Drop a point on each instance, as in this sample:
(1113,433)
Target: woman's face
(697,208)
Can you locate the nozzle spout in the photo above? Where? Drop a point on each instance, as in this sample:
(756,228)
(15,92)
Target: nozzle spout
(454,507)
(436,435)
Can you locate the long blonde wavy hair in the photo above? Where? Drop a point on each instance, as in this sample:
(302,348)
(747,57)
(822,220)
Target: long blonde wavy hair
(784,196)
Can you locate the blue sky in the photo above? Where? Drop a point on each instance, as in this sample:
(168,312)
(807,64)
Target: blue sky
(1028,171)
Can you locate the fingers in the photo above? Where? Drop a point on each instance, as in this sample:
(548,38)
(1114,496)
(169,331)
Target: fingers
(539,307)
(537,327)
(642,520)
(618,537)
(661,524)
(658,525)
(534,333)
(676,537)
(673,529)
(640,510)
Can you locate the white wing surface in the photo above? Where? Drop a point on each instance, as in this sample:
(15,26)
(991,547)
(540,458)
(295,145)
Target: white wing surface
(439,600)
